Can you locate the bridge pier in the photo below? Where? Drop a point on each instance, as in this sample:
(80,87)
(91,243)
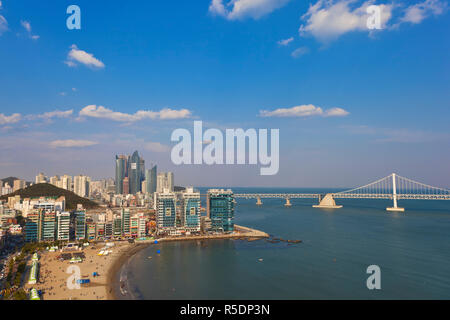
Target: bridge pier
(258,201)
(327,203)
(288,202)
(395,208)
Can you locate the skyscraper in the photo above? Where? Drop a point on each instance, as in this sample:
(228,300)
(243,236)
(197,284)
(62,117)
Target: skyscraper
(190,207)
(220,209)
(165,180)
(166,212)
(81,185)
(121,172)
(150,180)
(135,173)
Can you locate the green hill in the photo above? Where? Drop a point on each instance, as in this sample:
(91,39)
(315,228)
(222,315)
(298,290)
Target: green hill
(49,190)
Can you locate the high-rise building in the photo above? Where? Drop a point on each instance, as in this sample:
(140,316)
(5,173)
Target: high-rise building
(135,173)
(80,225)
(220,209)
(55,181)
(121,172)
(19,184)
(81,185)
(126,186)
(191,210)
(117,227)
(151,180)
(47,226)
(125,216)
(66,182)
(63,226)
(32,226)
(40,178)
(165,180)
(166,212)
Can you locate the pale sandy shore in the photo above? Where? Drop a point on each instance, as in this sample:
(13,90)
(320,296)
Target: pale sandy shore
(53,274)
(53,278)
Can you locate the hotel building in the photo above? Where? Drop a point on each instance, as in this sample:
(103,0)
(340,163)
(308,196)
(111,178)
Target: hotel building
(220,209)
(166,212)
(63,226)
(190,210)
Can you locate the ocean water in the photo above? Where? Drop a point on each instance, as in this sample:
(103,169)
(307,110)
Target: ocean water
(412,250)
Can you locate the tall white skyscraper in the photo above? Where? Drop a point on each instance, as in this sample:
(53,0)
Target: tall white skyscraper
(165,180)
(81,185)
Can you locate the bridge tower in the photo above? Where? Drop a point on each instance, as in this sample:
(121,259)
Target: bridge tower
(288,202)
(395,208)
(258,201)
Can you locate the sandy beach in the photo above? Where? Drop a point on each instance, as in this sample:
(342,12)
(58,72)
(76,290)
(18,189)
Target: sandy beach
(52,278)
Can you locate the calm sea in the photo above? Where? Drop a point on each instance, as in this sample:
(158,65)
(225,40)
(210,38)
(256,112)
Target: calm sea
(411,248)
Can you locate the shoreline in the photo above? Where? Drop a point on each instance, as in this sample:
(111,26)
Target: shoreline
(117,264)
(112,274)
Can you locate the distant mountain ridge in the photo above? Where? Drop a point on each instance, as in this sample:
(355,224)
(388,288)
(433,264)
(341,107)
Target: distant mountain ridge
(49,190)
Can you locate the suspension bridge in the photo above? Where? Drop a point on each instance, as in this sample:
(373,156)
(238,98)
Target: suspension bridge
(392,187)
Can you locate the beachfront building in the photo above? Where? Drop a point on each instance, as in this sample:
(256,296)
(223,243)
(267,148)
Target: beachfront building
(126,223)
(109,228)
(80,225)
(134,226)
(32,227)
(63,226)
(117,227)
(90,230)
(142,231)
(47,226)
(166,212)
(190,214)
(100,230)
(220,209)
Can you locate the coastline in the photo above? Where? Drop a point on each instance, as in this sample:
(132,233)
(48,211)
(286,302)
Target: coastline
(113,282)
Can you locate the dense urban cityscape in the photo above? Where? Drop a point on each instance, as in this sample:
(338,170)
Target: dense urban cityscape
(138,205)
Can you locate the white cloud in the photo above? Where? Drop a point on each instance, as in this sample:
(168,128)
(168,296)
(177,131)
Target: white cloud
(76,55)
(56,114)
(285,42)
(3,24)
(238,9)
(14,118)
(72,143)
(328,20)
(307,110)
(101,112)
(27,26)
(336,112)
(418,12)
(156,147)
(297,53)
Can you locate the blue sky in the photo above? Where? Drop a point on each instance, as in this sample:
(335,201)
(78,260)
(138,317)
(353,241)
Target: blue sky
(228,63)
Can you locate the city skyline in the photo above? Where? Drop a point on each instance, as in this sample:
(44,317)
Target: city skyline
(351,104)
